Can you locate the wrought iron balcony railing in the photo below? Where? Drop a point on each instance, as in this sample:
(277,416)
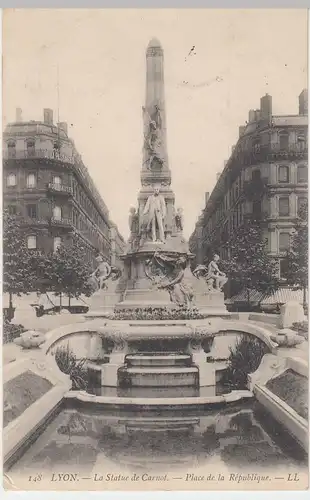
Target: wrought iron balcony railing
(33,221)
(47,221)
(61,222)
(59,188)
(37,154)
(268,152)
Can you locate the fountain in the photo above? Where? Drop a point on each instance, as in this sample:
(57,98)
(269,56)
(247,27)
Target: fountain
(164,316)
(155,321)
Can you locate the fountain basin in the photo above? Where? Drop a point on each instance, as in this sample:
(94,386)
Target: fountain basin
(166,403)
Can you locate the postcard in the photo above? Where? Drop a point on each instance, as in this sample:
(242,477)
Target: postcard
(155,249)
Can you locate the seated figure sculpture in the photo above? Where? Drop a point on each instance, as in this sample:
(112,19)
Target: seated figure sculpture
(103,272)
(215,278)
(181,293)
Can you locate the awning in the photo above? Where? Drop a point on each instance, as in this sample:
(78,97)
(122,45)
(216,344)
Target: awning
(284,295)
(281,296)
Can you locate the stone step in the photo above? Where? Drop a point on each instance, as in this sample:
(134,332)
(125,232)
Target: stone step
(160,359)
(166,428)
(165,376)
(161,370)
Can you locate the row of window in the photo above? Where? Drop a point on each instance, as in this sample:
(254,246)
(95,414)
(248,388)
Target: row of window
(284,139)
(284,205)
(237,215)
(30,148)
(57,214)
(32,242)
(32,211)
(31,180)
(283,177)
(284,174)
(86,203)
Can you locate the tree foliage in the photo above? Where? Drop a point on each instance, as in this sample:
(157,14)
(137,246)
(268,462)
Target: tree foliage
(297,269)
(249,265)
(19,273)
(66,271)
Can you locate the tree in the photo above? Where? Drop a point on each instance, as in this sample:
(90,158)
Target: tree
(66,271)
(249,266)
(297,258)
(19,274)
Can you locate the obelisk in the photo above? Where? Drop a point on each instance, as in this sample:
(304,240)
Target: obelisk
(155,168)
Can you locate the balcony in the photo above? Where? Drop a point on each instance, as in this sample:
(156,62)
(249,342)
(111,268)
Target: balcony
(296,150)
(61,222)
(42,154)
(48,221)
(59,189)
(267,153)
(31,221)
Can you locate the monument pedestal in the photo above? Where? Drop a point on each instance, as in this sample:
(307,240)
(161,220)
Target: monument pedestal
(208,301)
(103,301)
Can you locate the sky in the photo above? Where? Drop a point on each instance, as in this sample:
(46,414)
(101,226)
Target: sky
(239,56)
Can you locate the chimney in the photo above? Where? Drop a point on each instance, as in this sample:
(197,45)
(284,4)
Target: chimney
(241,130)
(48,116)
(303,102)
(19,117)
(63,126)
(252,116)
(207,196)
(257,115)
(218,175)
(266,107)
(233,148)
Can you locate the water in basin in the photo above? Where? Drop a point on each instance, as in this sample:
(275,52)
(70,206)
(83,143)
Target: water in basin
(234,437)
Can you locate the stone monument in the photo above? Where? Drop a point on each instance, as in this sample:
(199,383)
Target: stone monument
(157,270)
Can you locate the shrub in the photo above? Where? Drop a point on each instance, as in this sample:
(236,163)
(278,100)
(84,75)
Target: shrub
(11,332)
(158,313)
(245,357)
(301,328)
(69,364)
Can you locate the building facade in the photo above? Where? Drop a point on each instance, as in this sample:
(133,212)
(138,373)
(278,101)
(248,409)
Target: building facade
(47,183)
(265,178)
